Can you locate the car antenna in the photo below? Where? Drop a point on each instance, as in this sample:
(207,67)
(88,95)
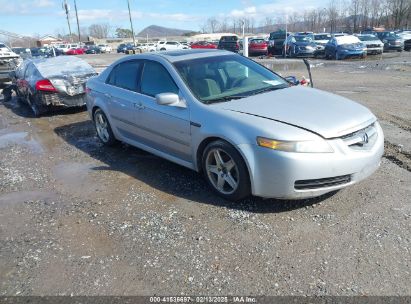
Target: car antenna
(307,64)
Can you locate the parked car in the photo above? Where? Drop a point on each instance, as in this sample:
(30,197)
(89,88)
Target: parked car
(203,45)
(58,81)
(392,41)
(76,51)
(248,132)
(9,61)
(229,43)
(373,44)
(22,52)
(276,42)
(406,37)
(320,39)
(123,47)
(105,48)
(93,50)
(342,47)
(299,46)
(258,47)
(171,45)
(41,52)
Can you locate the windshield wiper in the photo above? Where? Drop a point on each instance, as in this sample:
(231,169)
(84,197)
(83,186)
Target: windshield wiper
(267,90)
(224,98)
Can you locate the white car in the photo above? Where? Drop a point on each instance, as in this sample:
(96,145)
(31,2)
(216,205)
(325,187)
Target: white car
(105,48)
(170,45)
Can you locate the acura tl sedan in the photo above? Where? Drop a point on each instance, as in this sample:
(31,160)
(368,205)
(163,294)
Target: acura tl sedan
(241,125)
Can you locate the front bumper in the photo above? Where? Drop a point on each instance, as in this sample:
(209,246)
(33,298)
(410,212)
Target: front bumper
(374,50)
(274,173)
(351,53)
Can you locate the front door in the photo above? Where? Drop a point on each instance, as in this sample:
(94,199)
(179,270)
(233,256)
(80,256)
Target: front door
(165,128)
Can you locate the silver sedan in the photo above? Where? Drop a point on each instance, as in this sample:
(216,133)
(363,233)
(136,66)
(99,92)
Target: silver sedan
(241,125)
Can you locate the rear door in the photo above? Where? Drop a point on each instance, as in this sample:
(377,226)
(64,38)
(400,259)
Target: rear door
(165,128)
(122,97)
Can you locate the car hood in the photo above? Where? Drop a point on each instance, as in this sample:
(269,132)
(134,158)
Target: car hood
(323,113)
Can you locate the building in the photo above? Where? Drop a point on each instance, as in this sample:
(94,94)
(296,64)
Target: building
(48,40)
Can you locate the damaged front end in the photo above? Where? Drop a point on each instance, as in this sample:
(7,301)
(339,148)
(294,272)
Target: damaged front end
(8,64)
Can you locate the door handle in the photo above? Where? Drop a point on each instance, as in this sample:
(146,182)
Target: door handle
(107,95)
(139,106)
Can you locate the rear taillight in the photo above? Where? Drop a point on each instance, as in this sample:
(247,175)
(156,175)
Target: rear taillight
(237,45)
(45,85)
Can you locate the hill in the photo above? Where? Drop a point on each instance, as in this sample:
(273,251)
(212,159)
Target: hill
(159,31)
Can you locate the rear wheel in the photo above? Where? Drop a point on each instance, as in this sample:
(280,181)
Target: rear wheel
(103,128)
(36,106)
(226,171)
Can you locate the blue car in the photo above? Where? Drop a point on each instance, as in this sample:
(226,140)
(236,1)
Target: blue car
(342,47)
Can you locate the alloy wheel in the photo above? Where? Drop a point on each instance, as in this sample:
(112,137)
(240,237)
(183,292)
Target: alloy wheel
(222,171)
(102,127)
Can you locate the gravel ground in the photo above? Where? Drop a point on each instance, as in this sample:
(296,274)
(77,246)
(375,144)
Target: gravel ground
(78,218)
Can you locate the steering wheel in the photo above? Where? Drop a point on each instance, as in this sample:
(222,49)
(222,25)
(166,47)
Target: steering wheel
(236,82)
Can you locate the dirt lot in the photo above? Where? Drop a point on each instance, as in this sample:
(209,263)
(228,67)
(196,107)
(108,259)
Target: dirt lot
(77,218)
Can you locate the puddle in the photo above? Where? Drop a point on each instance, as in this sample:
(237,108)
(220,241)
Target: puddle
(76,178)
(20,138)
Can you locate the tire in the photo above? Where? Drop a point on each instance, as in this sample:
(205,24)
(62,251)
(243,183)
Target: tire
(36,106)
(103,128)
(162,49)
(7,93)
(226,171)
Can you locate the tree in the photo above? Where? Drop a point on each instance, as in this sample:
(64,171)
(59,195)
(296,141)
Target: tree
(212,24)
(99,30)
(124,33)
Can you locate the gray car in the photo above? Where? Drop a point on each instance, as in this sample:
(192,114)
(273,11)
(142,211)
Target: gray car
(241,125)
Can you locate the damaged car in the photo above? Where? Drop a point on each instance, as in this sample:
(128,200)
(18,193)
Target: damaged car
(9,61)
(52,82)
(238,123)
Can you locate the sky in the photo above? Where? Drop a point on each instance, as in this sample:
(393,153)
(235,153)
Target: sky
(41,17)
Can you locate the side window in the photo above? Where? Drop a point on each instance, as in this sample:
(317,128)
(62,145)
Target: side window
(125,75)
(156,80)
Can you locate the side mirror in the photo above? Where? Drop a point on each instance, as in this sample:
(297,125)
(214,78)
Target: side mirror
(167,99)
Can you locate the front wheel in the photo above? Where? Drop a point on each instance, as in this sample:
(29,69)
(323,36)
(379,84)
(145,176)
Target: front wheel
(226,171)
(103,128)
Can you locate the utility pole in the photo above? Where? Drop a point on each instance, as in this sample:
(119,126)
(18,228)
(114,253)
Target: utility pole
(131,23)
(66,8)
(78,24)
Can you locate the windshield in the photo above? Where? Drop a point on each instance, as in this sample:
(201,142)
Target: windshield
(302,38)
(221,78)
(322,37)
(367,38)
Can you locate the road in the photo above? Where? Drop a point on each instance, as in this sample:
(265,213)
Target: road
(78,218)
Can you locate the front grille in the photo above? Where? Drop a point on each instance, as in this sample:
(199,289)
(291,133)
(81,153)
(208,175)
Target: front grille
(363,139)
(308,184)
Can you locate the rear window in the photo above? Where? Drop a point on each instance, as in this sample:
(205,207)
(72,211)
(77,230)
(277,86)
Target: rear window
(229,38)
(277,35)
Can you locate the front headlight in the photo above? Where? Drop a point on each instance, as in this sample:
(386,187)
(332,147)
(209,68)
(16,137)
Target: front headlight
(307,146)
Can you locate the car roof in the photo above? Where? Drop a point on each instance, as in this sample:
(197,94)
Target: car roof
(180,55)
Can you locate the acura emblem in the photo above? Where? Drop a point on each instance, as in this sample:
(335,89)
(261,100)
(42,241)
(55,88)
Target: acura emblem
(364,138)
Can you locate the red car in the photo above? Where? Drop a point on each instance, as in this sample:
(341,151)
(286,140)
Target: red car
(77,51)
(203,45)
(258,47)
